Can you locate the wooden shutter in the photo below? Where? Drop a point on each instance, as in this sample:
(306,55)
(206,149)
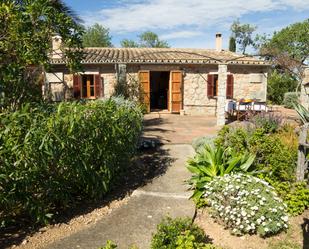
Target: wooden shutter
(77,84)
(210,85)
(229,86)
(176,81)
(144,79)
(98,86)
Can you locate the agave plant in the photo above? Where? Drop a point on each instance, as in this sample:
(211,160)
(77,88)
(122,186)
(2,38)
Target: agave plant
(302,112)
(211,161)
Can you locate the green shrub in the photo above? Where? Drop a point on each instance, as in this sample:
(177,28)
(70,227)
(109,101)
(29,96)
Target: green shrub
(295,195)
(290,98)
(55,156)
(109,245)
(278,84)
(178,233)
(188,241)
(269,122)
(210,162)
(275,157)
(246,204)
(201,141)
(236,138)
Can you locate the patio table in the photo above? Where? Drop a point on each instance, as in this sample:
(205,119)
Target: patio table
(243,108)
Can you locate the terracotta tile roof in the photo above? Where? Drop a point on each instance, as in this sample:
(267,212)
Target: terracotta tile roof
(163,56)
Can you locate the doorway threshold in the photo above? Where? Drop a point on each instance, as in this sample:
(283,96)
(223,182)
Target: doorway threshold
(163,111)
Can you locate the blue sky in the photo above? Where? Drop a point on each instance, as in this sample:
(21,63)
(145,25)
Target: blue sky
(188,23)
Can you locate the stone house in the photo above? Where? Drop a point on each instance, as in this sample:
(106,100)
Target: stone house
(190,81)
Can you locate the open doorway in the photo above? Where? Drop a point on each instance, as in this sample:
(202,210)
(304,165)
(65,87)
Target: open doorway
(159,85)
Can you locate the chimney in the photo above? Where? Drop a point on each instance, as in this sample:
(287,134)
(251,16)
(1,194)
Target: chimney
(56,46)
(219,42)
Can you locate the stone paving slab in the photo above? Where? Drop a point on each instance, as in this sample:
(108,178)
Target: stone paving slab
(174,179)
(177,129)
(135,222)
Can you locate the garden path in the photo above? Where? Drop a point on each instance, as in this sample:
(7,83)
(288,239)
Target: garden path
(134,222)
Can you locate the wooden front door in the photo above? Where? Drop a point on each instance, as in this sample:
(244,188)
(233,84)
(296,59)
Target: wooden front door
(144,79)
(176,91)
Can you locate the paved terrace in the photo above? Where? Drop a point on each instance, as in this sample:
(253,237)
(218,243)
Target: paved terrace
(177,129)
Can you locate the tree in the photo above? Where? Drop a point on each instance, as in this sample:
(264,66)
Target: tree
(232,44)
(278,84)
(97,36)
(243,34)
(147,39)
(26,30)
(289,48)
(126,43)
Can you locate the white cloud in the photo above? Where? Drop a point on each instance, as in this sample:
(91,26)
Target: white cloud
(299,5)
(181,34)
(131,16)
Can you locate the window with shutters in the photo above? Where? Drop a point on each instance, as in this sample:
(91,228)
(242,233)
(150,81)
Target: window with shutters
(87,86)
(212,86)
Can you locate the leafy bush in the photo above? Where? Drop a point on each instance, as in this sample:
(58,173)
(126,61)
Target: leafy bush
(179,233)
(274,158)
(210,162)
(53,157)
(269,122)
(109,245)
(236,138)
(290,98)
(201,141)
(295,195)
(278,84)
(246,204)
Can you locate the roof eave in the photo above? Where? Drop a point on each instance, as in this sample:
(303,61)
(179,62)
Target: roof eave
(177,62)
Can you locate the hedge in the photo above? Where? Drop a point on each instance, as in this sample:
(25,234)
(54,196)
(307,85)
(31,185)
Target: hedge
(55,156)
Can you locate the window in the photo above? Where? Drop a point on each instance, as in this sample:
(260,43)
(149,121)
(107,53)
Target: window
(212,86)
(215,85)
(87,86)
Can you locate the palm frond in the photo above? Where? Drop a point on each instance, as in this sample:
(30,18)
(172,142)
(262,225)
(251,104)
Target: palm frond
(64,8)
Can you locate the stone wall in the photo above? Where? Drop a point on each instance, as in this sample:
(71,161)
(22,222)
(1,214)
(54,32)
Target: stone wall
(249,82)
(195,100)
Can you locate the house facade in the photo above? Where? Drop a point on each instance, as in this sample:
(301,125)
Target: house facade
(190,81)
